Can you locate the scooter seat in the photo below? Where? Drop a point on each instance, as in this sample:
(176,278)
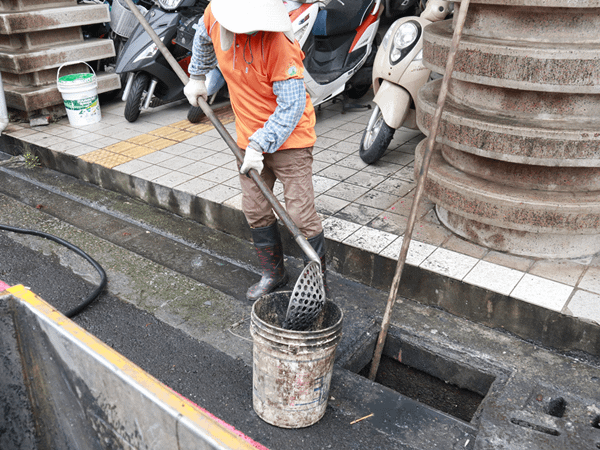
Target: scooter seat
(339,18)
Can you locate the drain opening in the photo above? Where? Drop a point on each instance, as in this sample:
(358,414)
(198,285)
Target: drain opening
(596,422)
(439,378)
(535,427)
(557,407)
(432,391)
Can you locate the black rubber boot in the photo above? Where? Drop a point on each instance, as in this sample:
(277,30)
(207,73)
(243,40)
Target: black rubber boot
(270,256)
(318,244)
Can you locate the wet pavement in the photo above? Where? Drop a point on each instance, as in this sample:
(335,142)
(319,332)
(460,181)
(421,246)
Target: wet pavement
(192,278)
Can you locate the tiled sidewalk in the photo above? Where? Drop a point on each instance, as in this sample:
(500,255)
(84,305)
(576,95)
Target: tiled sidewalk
(365,206)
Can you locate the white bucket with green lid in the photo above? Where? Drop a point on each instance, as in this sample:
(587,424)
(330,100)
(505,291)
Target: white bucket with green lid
(80,95)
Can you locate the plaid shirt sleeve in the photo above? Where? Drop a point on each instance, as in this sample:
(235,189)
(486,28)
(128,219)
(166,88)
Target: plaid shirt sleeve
(203,54)
(291,101)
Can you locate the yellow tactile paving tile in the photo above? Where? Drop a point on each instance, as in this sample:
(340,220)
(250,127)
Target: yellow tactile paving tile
(138,151)
(182,124)
(200,128)
(120,147)
(182,135)
(142,139)
(150,142)
(105,158)
(164,132)
(160,143)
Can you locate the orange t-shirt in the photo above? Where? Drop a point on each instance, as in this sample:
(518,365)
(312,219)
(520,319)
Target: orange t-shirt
(250,67)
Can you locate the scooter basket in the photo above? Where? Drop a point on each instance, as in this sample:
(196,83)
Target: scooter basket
(122,20)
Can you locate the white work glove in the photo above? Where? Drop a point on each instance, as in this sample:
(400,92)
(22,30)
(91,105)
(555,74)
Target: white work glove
(195,89)
(252,160)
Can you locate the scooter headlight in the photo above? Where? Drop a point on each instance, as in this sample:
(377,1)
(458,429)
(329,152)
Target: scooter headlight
(404,40)
(170,5)
(148,52)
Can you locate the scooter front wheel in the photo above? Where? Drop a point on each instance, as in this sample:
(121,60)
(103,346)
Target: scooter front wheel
(195,114)
(376,139)
(136,97)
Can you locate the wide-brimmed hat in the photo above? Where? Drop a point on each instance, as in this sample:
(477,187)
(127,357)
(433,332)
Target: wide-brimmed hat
(247,16)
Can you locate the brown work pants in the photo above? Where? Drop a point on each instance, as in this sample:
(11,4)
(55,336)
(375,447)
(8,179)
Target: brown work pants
(293,167)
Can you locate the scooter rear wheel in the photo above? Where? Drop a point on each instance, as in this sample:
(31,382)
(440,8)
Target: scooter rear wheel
(356,92)
(376,138)
(136,97)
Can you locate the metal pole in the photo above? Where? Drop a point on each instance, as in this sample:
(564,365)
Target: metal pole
(3,108)
(385,324)
(279,209)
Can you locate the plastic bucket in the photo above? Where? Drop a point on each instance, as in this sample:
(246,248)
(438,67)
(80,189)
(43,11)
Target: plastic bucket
(291,371)
(80,95)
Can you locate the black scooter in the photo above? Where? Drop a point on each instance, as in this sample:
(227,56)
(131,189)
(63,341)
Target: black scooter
(151,81)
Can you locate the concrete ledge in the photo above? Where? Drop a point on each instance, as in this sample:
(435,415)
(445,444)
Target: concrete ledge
(509,207)
(508,136)
(495,21)
(26,5)
(536,66)
(31,99)
(23,62)
(52,18)
(558,179)
(549,3)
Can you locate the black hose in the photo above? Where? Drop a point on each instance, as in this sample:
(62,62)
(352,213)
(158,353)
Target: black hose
(73,312)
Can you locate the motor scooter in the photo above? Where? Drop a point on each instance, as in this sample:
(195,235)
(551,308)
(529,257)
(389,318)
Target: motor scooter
(398,74)
(150,79)
(338,40)
(119,29)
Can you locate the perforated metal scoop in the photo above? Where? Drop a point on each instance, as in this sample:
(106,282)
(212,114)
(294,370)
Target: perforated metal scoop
(307,299)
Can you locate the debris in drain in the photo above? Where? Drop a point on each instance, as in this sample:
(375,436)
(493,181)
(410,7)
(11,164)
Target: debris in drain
(362,418)
(432,391)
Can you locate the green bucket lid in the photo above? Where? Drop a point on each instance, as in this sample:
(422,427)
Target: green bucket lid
(77,78)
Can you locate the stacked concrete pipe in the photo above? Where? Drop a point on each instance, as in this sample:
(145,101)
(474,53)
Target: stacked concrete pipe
(517,164)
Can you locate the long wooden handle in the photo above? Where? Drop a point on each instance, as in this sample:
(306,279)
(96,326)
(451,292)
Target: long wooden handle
(385,324)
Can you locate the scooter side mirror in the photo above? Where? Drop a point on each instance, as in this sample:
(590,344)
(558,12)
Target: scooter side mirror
(436,10)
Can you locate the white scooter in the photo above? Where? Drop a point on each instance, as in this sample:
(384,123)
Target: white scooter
(398,74)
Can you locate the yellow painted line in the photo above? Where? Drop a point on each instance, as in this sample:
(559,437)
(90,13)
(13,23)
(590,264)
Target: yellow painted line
(161,138)
(219,430)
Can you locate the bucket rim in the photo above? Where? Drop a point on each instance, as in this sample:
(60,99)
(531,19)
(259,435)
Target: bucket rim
(316,334)
(65,84)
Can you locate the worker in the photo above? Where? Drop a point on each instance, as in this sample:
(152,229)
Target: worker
(253,43)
